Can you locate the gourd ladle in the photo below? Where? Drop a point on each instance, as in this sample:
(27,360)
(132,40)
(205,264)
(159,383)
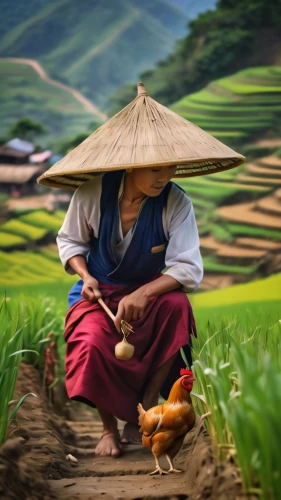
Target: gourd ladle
(123,350)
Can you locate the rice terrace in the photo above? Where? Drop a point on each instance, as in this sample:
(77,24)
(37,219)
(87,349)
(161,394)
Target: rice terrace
(70,103)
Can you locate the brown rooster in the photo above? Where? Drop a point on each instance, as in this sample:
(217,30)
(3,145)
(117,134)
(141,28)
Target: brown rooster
(164,427)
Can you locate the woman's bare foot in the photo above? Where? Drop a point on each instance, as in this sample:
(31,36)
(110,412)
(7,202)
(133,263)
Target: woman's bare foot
(131,434)
(108,445)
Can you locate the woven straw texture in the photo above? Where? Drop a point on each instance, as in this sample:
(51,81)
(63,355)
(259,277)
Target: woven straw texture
(144,134)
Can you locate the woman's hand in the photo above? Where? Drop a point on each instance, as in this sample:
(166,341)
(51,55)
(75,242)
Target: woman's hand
(90,289)
(131,307)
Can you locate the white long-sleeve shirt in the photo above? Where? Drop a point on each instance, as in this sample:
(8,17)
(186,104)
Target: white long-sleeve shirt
(183,258)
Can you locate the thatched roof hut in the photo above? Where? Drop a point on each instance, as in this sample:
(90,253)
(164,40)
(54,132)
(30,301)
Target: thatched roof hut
(18,174)
(144,134)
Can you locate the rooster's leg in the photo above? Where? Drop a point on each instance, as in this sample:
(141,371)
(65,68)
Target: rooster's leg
(158,469)
(172,469)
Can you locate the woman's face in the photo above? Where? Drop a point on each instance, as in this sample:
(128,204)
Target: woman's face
(151,181)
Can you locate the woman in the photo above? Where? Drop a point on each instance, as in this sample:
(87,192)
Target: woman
(121,230)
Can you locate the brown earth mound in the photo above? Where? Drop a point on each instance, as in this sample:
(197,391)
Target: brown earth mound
(263,171)
(18,480)
(258,243)
(271,161)
(259,180)
(245,213)
(270,205)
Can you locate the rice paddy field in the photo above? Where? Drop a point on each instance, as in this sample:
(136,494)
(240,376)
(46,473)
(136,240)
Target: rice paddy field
(237,107)
(236,360)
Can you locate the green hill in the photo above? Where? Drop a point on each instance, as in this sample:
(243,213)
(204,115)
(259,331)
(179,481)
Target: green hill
(24,93)
(97,46)
(238,108)
(237,34)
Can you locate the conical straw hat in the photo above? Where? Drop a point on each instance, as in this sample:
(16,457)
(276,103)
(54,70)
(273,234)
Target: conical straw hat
(144,134)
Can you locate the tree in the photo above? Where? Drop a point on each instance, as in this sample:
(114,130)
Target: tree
(27,129)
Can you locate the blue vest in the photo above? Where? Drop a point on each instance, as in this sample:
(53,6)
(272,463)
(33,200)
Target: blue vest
(142,260)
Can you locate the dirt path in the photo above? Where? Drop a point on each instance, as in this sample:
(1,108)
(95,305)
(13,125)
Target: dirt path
(88,105)
(103,477)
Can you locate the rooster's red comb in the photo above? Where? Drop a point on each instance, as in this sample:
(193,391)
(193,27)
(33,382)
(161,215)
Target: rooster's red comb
(184,371)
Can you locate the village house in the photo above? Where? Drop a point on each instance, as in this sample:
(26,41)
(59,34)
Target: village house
(20,167)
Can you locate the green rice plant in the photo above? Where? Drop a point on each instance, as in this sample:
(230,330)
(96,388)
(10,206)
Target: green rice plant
(12,327)
(44,325)
(237,367)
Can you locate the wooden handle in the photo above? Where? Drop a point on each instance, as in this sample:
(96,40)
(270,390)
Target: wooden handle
(110,314)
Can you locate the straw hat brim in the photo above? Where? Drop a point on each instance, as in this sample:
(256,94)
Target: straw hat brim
(186,168)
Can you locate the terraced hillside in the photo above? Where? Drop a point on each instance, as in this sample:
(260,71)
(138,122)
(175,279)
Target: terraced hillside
(28,254)
(24,93)
(238,108)
(238,211)
(240,241)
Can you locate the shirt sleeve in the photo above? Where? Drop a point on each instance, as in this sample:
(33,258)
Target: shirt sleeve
(183,257)
(80,223)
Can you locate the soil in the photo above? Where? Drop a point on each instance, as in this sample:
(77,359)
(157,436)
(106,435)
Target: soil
(272,161)
(258,243)
(33,460)
(245,213)
(258,180)
(255,169)
(270,205)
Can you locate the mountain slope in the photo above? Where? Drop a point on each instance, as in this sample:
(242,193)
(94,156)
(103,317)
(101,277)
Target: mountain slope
(94,46)
(238,108)
(236,35)
(18,11)
(24,93)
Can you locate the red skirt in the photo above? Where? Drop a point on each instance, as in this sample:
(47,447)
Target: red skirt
(93,373)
